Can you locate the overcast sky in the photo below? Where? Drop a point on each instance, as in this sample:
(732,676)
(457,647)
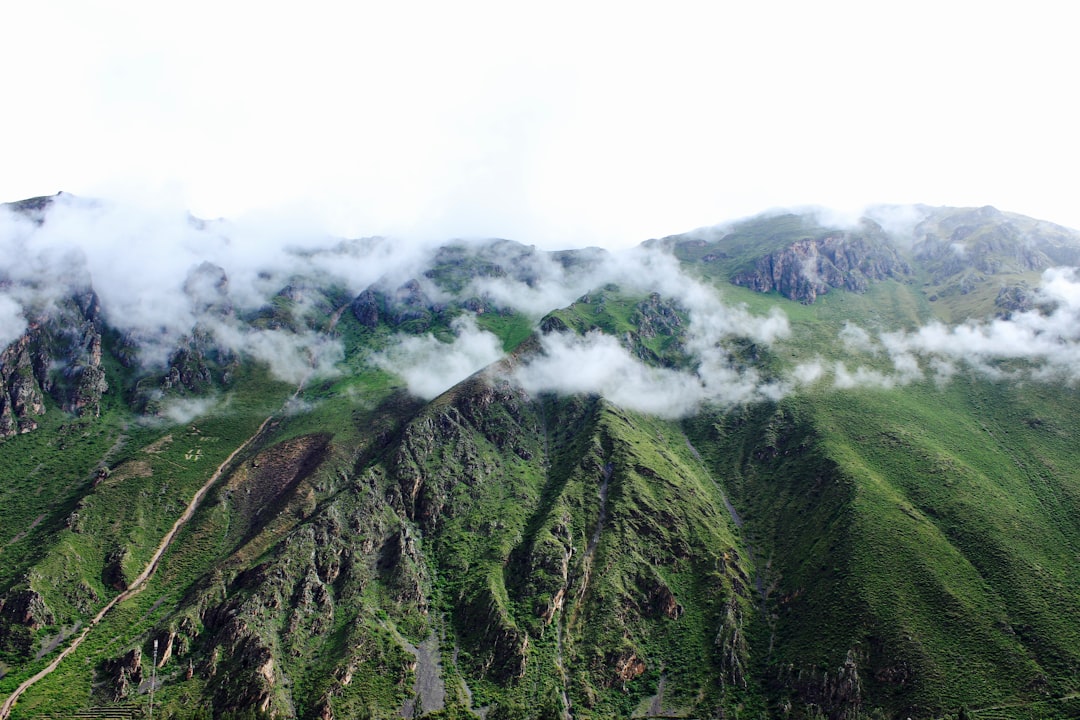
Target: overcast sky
(554,123)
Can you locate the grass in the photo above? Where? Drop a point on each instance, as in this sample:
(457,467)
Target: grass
(566,546)
(927,524)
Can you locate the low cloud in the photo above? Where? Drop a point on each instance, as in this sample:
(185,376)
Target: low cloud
(857,340)
(12,322)
(140,262)
(1041,344)
(182,411)
(1047,341)
(430,367)
(808,373)
(292,357)
(599,364)
(159,274)
(147,267)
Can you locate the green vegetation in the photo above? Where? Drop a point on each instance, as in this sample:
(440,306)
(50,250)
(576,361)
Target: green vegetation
(843,553)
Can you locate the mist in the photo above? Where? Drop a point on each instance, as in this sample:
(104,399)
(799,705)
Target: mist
(1042,344)
(12,322)
(160,274)
(602,365)
(431,367)
(148,268)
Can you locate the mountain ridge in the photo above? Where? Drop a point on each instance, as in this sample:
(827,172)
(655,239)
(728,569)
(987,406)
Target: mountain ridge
(736,536)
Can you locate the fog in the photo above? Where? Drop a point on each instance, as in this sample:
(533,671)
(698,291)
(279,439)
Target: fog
(430,367)
(160,274)
(1042,344)
(147,267)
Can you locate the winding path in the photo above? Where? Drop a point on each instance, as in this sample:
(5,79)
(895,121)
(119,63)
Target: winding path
(139,582)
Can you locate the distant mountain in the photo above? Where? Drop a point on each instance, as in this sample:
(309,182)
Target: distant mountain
(776,468)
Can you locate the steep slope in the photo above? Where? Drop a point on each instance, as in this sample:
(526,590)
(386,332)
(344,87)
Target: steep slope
(866,531)
(920,542)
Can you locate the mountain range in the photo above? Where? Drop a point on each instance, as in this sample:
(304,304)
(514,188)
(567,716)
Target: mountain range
(793,466)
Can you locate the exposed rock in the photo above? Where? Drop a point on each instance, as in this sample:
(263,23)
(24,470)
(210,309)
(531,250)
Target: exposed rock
(657,316)
(970,244)
(408,303)
(123,673)
(366,308)
(811,266)
(207,286)
(165,643)
(838,695)
(60,354)
(628,666)
(731,640)
(1014,299)
(21,398)
(25,607)
(112,574)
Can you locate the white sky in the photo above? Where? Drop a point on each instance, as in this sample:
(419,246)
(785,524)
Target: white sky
(555,123)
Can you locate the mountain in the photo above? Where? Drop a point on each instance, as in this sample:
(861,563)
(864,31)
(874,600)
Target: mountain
(780,468)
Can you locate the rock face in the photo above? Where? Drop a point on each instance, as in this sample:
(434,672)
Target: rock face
(60,355)
(962,249)
(811,266)
(407,305)
(986,240)
(21,398)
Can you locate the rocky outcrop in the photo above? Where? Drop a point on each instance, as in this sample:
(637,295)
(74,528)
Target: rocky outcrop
(407,304)
(113,574)
(26,607)
(657,316)
(837,694)
(124,674)
(207,288)
(1014,299)
(811,266)
(59,355)
(242,669)
(21,398)
(970,244)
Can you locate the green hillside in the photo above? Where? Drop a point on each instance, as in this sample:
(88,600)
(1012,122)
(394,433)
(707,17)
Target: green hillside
(878,528)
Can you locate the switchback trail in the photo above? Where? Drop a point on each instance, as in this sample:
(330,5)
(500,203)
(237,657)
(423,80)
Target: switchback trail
(139,582)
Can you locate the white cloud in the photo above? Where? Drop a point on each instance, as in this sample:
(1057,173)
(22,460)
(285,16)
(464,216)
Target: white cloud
(1041,344)
(183,410)
(12,322)
(430,366)
(597,363)
(808,373)
(855,339)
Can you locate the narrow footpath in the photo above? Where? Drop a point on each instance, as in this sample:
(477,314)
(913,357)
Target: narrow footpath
(139,582)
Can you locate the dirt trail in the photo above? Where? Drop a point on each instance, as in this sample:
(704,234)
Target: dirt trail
(139,582)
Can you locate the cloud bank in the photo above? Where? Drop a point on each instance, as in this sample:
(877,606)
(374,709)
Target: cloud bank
(1041,344)
(12,322)
(159,274)
(600,364)
(431,367)
(149,269)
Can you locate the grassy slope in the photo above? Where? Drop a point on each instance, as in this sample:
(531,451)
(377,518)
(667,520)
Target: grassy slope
(931,530)
(930,533)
